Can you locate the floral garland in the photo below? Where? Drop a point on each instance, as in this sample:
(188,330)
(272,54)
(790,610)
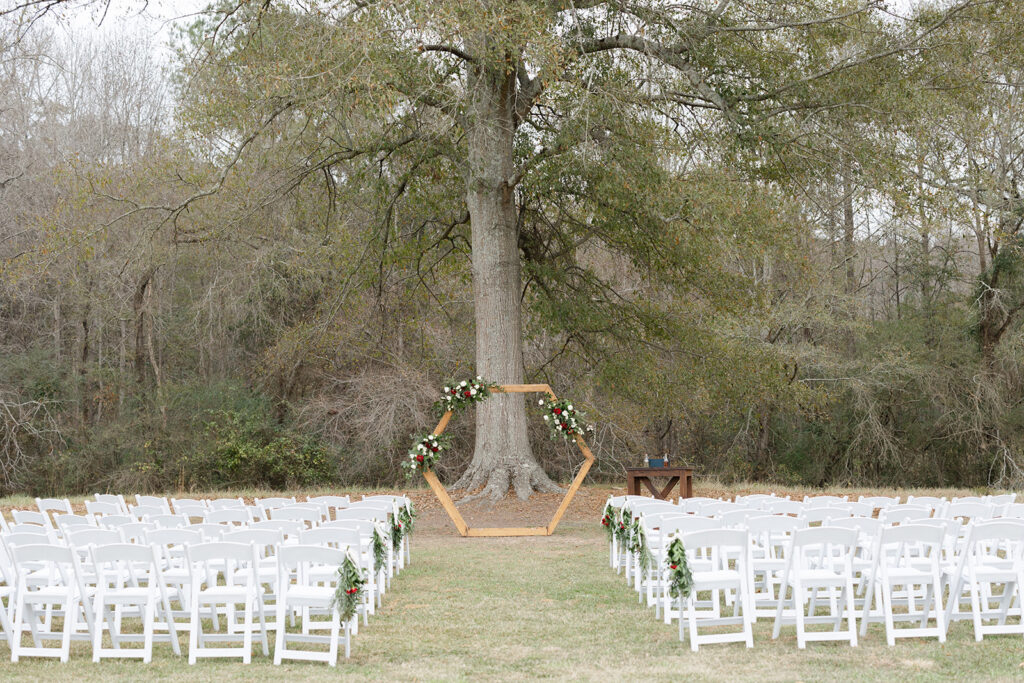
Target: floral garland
(610,520)
(563,420)
(680,580)
(349,592)
(379,549)
(458,395)
(622,526)
(426,450)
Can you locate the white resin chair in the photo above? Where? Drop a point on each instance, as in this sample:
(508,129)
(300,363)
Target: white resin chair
(51,506)
(718,545)
(34,597)
(128,576)
(909,556)
(112,499)
(298,590)
(819,559)
(206,562)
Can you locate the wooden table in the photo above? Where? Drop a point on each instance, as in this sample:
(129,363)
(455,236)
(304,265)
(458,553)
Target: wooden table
(637,475)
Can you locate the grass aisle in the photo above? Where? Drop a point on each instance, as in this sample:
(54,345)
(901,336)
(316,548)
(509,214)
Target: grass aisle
(501,609)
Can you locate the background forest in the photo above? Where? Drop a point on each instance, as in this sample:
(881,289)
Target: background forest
(820,292)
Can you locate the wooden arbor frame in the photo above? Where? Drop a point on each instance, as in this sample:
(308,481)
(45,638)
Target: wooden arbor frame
(453,512)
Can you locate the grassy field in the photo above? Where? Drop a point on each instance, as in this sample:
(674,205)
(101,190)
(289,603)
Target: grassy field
(549,607)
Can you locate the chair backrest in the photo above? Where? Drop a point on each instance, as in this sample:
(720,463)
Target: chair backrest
(302,514)
(784,507)
(869,527)
(879,502)
(15,538)
(56,560)
(293,556)
(825,535)
(179,521)
(330,501)
(716,538)
(218,551)
(358,514)
(265,540)
(1014,510)
(969,510)
(124,563)
(71,520)
(48,506)
(694,504)
(100,508)
(901,514)
(112,499)
(637,508)
(689,524)
(141,512)
(154,501)
(207,560)
(822,515)
(288,528)
(192,507)
(855,509)
(337,537)
(739,518)
(1010,530)
(136,531)
(271,503)
(80,538)
(933,503)
(169,537)
(655,520)
(235,516)
(210,532)
(824,501)
(31,517)
(364,526)
(227,503)
(30,530)
(114,521)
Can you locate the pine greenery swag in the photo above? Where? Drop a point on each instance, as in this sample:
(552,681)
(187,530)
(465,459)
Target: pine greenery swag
(379,549)
(638,544)
(349,592)
(396,533)
(680,581)
(407,516)
(457,395)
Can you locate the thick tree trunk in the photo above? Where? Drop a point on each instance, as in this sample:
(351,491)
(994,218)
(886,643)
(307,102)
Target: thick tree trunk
(502,456)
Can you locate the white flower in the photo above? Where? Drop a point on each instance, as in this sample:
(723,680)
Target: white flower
(545,418)
(540,402)
(479,377)
(463,383)
(447,390)
(569,407)
(472,392)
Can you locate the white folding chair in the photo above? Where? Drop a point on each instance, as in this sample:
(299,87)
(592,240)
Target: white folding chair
(32,517)
(329,503)
(34,597)
(309,515)
(992,555)
(719,545)
(265,505)
(237,517)
(128,576)
(206,562)
(298,591)
(100,509)
(112,499)
(902,514)
(142,512)
(909,556)
(667,532)
(819,558)
(770,537)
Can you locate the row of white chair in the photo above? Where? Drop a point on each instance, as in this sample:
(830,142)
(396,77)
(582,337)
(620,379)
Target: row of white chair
(778,564)
(95,576)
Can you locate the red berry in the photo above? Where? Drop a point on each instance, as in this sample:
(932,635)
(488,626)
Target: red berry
(672,566)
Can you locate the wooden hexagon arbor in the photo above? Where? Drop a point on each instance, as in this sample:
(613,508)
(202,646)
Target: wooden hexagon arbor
(453,512)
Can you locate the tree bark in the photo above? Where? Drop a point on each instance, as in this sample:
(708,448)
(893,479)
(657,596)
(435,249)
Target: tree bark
(139,309)
(502,456)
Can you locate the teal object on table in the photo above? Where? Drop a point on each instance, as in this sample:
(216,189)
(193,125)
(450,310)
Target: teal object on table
(656,462)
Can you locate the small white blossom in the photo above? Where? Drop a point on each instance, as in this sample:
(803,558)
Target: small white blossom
(540,402)
(472,392)
(569,407)
(447,389)
(463,383)
(545,418)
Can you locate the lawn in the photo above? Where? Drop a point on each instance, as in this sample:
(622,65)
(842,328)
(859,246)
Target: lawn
(500,609)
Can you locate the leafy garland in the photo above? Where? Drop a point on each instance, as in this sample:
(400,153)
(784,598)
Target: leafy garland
(426,450)
(396,533)
(563,419)
(621,527)
(407,516)
(680,579)
(458,395)
(349,592)
(638,544)
(379,549)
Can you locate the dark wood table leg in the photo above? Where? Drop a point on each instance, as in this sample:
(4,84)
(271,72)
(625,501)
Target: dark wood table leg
(631,485)
(668,488)
(686,485)
(650,486)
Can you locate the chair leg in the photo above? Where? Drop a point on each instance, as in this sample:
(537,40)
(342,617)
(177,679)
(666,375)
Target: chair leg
(149,619)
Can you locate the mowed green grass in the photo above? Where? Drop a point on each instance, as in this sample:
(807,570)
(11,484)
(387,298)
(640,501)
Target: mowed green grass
(550,607)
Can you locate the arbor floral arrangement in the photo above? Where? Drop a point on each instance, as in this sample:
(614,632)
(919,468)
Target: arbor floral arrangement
(425,451)
(349,592)
(680,580)
(457,395)
(563,419)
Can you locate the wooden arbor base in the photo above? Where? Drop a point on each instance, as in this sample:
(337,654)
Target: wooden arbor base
(453,512)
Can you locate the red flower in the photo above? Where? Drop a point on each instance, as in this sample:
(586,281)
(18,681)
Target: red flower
(419,458)
(466,393)
(435,449)
(454,392)
(672,566)
(557,411)
(565,425)
(605,521)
